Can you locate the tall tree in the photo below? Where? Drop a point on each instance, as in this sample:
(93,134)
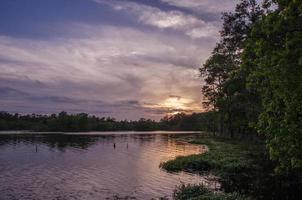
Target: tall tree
(225,81)
(273,56)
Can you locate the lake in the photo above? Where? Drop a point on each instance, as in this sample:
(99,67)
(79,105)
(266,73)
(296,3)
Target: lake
(94,165)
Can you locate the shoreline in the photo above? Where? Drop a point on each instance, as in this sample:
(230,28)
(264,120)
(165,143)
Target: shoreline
(232,162)
(96,133)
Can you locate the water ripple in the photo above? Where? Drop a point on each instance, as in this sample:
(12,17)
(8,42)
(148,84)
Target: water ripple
(78,166)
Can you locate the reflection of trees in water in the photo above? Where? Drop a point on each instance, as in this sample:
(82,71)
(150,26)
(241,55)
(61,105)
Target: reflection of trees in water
(143,138)
(56,141)
(65,141)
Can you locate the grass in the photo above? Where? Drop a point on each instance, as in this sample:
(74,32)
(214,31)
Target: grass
(242,168)
(224,155)
(198,192)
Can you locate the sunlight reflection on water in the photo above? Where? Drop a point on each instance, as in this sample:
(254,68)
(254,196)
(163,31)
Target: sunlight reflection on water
(90,166)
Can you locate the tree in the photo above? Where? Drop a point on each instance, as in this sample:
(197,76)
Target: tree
(225,82)
(273,56)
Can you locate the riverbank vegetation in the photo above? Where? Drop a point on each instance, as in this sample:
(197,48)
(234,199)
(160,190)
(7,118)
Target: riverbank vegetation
(253,77)
(199,192)
(252,88)
(252,81)
(84,122)
(243,168)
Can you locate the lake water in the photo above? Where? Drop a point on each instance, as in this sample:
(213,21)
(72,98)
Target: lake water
(91,165)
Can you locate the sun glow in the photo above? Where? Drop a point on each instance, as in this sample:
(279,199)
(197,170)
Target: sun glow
(176,103)
(173,105)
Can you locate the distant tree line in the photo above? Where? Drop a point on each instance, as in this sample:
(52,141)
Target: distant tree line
(84,122)
(253,78)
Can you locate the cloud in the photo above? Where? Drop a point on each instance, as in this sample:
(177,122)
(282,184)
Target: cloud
(116,71)
(23,102)
(172,19)
(216,6)
(132,59)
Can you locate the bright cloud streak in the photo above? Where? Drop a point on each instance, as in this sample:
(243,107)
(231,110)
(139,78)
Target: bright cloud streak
(144,67)
(216,6)
(190,25)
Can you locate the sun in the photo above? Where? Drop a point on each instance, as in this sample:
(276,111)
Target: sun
(176,103)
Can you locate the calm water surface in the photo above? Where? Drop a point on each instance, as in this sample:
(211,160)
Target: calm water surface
(91,165)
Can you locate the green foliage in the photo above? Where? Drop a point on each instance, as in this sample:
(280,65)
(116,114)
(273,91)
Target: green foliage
(273,57)
(253,77)
(223,155)
(85,122)
(184,192)
(197,121)
(242,167)
(228,159)
(69,122)
(199,192)
(224,89)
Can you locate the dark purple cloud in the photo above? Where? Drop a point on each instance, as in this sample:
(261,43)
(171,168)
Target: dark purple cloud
(126,59)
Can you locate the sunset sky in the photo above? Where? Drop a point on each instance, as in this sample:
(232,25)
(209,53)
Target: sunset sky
(125,59)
